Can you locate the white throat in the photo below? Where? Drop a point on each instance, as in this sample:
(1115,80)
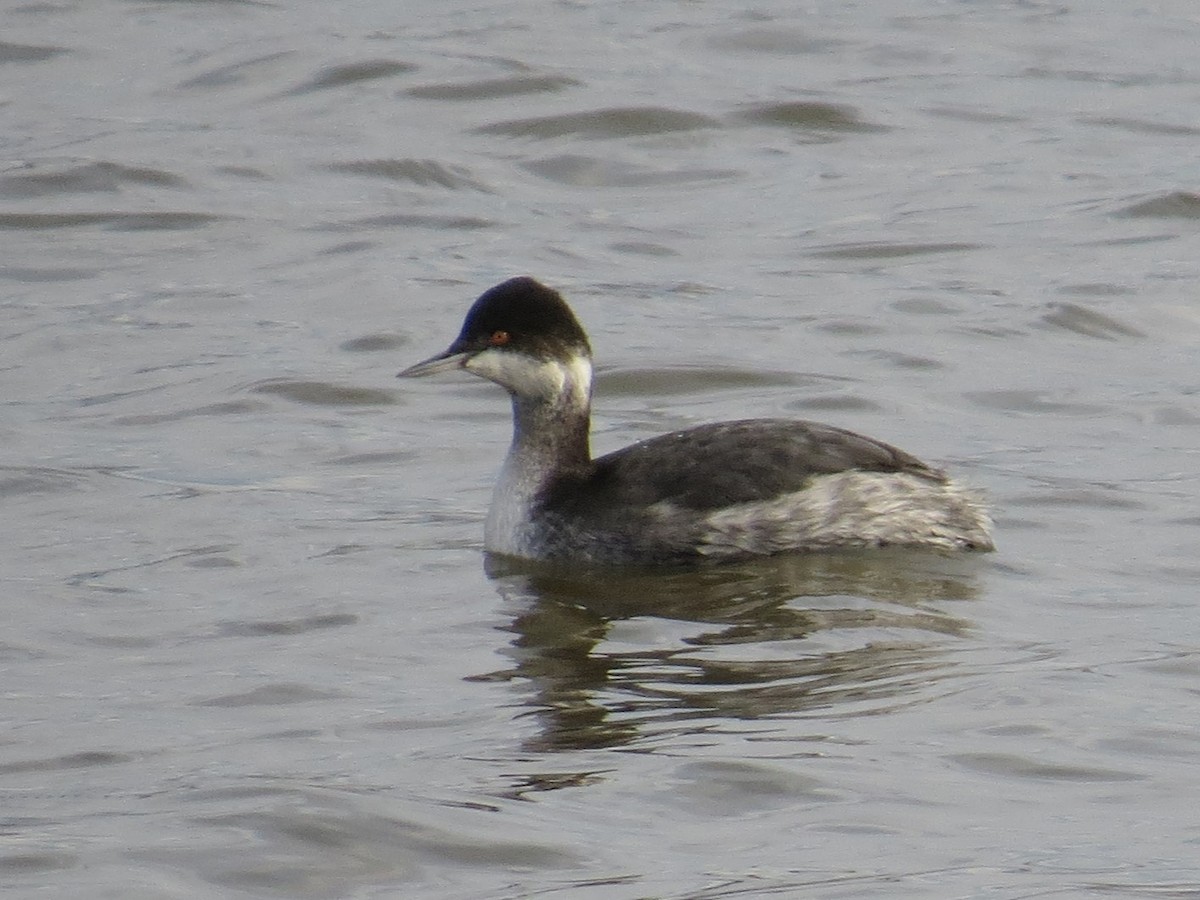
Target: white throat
(551,413)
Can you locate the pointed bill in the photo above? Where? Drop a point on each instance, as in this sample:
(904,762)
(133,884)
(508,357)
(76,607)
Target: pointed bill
(444,362)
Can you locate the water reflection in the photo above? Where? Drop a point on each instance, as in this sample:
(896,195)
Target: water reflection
(619,657)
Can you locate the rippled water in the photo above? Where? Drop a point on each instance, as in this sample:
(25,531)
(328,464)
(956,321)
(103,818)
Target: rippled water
(251,644)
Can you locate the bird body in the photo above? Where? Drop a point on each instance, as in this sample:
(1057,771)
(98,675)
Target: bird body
(721,491)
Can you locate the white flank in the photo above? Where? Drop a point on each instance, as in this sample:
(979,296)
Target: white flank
(853,509)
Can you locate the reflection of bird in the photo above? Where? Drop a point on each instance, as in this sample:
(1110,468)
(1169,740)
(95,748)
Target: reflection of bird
(825,634)
(722,491)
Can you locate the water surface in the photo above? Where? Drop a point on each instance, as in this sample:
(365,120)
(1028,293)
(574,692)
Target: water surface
(252,647)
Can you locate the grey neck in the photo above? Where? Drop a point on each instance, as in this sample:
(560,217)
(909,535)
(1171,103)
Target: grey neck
(551,437)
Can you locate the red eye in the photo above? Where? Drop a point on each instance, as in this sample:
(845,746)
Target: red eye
(499,338)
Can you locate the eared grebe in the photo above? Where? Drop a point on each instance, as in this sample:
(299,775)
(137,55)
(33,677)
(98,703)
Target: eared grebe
(723,491)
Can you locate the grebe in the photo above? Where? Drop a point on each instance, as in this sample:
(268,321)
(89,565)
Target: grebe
(723,491)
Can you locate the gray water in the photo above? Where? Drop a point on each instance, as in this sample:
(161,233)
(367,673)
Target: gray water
(251,646)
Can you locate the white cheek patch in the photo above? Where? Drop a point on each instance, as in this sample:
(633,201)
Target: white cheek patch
(579,379)
(533,378)
(520,374)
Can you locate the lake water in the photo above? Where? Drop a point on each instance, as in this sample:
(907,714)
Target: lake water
(251,644)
